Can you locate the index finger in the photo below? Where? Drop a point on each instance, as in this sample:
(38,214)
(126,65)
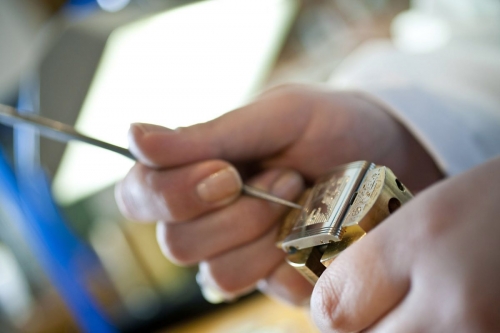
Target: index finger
(259,129)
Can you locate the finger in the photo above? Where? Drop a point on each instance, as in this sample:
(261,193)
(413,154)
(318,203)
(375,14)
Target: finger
(365,281)
(287,285)
(177,194)
(424,311)
(236,272)
(437,305)
(406,317)
(241,222)
(420,311)
(249,132)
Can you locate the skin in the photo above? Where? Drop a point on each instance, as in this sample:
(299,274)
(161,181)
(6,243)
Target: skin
(433,266)
(387,281)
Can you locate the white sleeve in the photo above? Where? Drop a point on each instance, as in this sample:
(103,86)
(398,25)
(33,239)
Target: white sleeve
(447,97)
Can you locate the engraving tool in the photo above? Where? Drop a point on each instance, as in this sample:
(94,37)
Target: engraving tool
(62,132)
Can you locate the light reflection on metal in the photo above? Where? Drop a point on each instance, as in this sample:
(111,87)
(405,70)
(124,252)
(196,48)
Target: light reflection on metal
(338,211)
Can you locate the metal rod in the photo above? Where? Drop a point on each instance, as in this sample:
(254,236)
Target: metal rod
(64,133)
(255,192)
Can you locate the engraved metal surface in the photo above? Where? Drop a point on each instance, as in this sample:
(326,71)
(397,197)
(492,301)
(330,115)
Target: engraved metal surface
(320,221)
(367,194)
(378,195)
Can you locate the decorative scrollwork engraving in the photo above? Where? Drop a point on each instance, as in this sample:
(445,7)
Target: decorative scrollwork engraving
(325,197)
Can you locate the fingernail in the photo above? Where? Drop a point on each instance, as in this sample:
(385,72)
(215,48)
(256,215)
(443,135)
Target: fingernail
(220,186)
(136,135)
(143,128)
(289,183)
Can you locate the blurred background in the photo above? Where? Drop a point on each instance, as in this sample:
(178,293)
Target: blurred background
(69,261)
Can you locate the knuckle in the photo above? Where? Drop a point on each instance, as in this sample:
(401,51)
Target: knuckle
(436,216)
(442,209)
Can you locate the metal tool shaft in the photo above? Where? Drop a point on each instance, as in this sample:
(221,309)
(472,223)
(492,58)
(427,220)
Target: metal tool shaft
(255,192)
(62,132)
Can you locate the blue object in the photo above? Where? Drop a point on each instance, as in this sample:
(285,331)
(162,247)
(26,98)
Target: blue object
(66,260)
(81,2)
(78,9)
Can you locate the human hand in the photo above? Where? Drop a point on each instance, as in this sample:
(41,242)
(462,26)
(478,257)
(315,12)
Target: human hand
(187,180)
(433,266)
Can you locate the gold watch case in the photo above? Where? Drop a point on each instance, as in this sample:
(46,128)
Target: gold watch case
(337,211)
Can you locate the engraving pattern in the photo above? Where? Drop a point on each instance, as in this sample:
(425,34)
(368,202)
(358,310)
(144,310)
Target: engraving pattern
(325,197)
(365,196)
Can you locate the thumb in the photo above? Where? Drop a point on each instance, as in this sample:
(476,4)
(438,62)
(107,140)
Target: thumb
(260,129)
(364,283)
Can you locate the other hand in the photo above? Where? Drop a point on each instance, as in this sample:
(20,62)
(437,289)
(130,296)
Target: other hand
(433,266)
